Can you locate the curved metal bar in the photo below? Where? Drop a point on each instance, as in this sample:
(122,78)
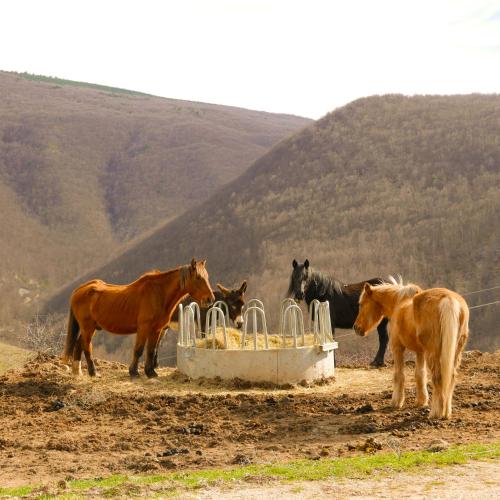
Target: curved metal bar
(314,317)
(254,310)
(294,319)
(189,327)
(220,303)
(254,303)
(322,323)
(197,314)
(284,304)
(180,340)
(213,315)
(327,321)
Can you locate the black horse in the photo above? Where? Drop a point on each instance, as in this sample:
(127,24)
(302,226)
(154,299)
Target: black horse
(308,284)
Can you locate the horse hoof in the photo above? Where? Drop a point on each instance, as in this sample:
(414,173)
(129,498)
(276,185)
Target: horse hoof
(378,364)
(77,368)
(151,374)
(134,374)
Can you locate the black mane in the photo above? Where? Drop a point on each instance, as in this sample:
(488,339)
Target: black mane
(322,285)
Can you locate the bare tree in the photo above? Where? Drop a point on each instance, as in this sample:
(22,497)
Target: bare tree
(45,334)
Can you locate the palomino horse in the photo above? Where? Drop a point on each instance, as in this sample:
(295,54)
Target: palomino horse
(144,307)
(432,323)
(309,284)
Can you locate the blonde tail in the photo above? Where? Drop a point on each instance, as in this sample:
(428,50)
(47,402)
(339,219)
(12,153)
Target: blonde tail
(449,310)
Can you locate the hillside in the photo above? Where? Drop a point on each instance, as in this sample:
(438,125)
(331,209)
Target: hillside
(86,168)
(383,185)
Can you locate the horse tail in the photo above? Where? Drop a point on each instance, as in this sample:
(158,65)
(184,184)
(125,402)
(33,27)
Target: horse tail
(449,309)
(71,337)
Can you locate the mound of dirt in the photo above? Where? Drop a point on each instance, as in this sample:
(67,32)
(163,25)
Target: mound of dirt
(53,425)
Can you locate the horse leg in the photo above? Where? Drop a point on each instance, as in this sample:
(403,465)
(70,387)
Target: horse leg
(437,389)
(140,341)
(88,331)
(152,342)
(421,380)
(157,348)
(398,394)
(383,339)
(77,356)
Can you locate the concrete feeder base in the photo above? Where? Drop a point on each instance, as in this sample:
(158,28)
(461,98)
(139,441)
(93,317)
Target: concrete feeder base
(278,366)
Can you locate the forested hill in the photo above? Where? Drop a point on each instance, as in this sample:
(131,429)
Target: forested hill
(387,184)
(86,168)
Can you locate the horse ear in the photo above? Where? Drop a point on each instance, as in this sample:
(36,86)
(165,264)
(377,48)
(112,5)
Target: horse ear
(203,263)
(295,263)
(368,289)
(306,264)
(193,263)
(223,289)
(243,287)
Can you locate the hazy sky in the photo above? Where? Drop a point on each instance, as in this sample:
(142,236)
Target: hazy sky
(302,57)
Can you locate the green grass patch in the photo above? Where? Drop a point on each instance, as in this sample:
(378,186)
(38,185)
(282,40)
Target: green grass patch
(106,482)
(16,491)
(61,81)
(297,470)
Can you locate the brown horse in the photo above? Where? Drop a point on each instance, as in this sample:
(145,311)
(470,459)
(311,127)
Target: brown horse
(144,307)
(432,323)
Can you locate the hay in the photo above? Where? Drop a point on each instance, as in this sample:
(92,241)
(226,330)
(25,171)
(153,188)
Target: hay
(234,337)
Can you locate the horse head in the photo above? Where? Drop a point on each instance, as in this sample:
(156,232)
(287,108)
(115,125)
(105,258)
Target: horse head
(197,285)
(235,300)
(370,312)
(298,279)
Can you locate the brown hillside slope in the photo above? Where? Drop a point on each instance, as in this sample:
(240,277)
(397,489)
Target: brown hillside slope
(83,170)
(384,185)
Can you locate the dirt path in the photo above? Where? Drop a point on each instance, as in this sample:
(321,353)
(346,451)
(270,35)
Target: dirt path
(55,427)
(478,480)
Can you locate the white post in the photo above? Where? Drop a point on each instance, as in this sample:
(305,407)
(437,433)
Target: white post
(313,317)
(254,303)
(293,319)
(214,313)
(254,310)
(322,324)
(189,327)
(221,304)
(284,304)
(197,315)
(180,340)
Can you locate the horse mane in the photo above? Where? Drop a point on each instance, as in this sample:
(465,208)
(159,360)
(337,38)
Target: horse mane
(325,284)
(184,275)
(397,287)
(290,287)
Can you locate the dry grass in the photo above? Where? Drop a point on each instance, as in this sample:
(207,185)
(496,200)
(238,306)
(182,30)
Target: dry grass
(234,339)
(12,357)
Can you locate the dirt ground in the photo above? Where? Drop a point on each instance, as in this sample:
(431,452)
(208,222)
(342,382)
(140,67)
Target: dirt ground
(478,480)
(53,426)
